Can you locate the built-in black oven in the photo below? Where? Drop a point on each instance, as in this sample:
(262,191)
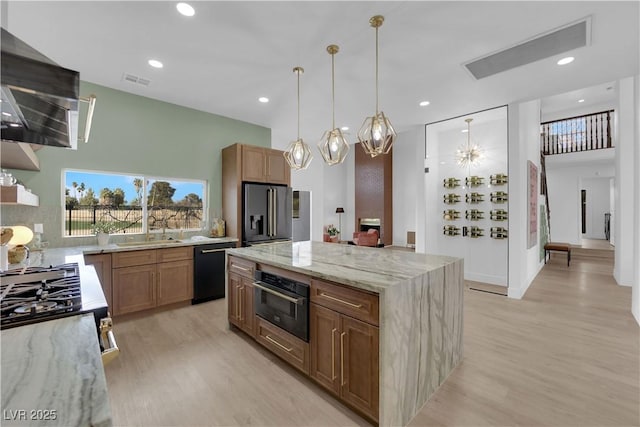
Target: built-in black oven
(283,302)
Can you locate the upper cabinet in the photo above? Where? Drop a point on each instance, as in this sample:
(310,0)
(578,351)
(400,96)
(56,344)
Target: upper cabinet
(261,164)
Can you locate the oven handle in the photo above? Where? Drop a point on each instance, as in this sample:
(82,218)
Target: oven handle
(298,301)
(106,332)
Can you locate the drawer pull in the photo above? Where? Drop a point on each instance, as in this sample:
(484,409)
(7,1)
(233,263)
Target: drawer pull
(287,349)
(322,294)
(208,251)
(240,268)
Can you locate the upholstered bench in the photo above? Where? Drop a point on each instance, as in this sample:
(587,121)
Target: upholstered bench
(559,247)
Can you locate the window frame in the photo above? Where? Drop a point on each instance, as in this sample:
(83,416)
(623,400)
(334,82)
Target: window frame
(144,203)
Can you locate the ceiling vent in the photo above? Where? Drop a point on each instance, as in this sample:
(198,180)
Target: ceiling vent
(559,40)
(131,78)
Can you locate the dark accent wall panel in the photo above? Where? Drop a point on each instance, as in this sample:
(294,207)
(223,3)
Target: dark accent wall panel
(374,191)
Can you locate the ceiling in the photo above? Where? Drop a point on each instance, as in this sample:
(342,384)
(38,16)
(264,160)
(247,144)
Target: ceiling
(232,52)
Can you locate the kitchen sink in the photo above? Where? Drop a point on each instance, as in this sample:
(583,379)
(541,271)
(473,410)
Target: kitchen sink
(148,243)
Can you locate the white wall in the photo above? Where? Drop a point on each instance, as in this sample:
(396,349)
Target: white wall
(408,155)
(597,204)
(564,185)
(626,118)
(486,259)
(635,291)
(612,209)
(524,145)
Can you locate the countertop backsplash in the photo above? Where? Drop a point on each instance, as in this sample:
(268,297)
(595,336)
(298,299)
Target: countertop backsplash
(51,218)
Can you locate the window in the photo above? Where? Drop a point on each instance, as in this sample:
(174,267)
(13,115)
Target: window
(132,203)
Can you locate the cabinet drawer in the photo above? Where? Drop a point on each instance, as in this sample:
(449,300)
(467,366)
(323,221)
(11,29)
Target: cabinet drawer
(242,267)
(352,302)
(289,347)
(175,254)
(131,258)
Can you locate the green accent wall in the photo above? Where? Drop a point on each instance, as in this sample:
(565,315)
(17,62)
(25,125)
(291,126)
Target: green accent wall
(135,134)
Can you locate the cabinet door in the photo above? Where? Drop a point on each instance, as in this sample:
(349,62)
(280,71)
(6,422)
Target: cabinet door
(175,281)
(278,170)
(233,298)
(247,312)
(360,374)
(254,164)
(134,288)
(324,333)
(102,264)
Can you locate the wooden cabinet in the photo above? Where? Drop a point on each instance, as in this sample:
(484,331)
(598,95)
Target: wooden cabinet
(134,288)
(248,163)
(240,293)
(102,265)
(261,164)
(345,343)
(344,358)
(149,278)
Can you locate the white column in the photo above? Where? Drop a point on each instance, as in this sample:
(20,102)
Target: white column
(625,223)
(635,291)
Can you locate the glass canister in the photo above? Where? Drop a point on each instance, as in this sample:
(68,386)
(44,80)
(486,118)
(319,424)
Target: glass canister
(6,178)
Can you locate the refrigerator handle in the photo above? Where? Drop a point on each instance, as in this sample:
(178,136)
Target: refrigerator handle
(275,211)
(270,212)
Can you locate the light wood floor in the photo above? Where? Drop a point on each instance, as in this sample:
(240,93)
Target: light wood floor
(565,355)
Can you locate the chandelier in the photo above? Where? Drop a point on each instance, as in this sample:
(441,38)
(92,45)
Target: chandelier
(376,135)
(298,155)
(332,145)
(469,154)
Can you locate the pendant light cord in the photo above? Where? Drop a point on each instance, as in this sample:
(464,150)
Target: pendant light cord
(376,71)
(333,92)
(298,72)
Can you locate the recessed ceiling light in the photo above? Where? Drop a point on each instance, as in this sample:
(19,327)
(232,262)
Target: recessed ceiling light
(344,128)
(580,100)
(15,125)
(424,103)
(4,113)
(263,99)
(567,60)
(464,130)
(155,63)
(185,9)
(443,163)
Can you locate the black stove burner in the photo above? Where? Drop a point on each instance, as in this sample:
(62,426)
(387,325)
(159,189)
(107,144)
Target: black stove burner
(36,294)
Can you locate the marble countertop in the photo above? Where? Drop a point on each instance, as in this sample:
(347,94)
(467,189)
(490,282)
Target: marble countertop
(52,375)
(373,269)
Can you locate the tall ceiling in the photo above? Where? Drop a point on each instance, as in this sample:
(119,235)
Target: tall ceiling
(232,52)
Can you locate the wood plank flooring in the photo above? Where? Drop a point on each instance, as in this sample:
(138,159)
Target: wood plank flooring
(565,355)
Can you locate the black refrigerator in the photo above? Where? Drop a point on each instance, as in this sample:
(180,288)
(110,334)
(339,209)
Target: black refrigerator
(266,213)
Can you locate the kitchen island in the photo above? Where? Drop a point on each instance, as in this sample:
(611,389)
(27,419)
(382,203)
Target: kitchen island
(420,299)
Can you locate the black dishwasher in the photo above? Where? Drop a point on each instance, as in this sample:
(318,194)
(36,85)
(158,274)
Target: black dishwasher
(209,271)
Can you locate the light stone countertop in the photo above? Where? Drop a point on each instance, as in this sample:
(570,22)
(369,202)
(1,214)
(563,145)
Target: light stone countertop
(56,364)
(52,375)
(372,269)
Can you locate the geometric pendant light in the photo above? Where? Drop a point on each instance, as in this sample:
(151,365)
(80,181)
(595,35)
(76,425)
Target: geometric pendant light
(298,155)
(376,135)
(332,145)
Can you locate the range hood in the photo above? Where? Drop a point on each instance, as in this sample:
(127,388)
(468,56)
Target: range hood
(39,97)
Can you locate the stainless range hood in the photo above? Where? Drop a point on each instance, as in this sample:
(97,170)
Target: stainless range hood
(39,97)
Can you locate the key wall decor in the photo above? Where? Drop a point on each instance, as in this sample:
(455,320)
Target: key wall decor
(451,230)
(474,215)
(475,232)
(499,197)
(451,198)
(499,233)
(451,182)
(474,198)
(498,215)
(498,179)
(474,181)
(450,214)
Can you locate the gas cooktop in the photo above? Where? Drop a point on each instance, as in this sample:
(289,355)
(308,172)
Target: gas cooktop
(35,294)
